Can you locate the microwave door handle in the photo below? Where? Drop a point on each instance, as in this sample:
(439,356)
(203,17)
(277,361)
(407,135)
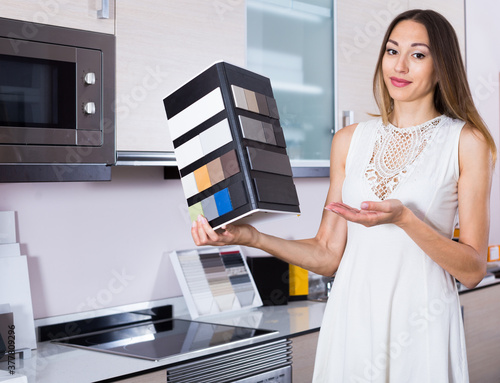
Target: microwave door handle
(104,12)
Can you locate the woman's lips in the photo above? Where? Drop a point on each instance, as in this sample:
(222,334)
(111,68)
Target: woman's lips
(399,82)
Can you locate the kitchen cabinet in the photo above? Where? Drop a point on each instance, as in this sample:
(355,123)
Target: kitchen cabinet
(64,13)
(361,26)
(303,356)
(481,310)
(292,43)
(161,45)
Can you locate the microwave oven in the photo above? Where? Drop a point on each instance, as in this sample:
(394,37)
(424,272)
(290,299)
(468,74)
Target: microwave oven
(57,92)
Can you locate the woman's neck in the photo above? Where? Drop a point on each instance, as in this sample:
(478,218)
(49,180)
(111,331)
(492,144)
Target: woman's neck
(406,114)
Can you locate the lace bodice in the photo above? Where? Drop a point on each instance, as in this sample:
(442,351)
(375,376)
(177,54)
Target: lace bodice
(395,153)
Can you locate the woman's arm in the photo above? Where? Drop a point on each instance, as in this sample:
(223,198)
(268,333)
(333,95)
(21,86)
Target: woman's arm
(466,259)
(321,254)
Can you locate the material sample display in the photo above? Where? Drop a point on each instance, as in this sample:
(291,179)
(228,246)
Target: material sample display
(215,280)
(229,146)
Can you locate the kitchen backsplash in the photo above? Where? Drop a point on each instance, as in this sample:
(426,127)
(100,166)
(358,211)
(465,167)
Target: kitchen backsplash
(97,245)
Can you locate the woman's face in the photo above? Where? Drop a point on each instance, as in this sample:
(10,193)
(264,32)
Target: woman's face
(407,65)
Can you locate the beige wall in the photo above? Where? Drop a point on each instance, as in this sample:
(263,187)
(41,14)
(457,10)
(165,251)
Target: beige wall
(98,245)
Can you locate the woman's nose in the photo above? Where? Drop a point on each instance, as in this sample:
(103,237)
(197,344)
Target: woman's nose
(401,65)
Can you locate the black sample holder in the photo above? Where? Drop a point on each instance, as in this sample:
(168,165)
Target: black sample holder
(229,146)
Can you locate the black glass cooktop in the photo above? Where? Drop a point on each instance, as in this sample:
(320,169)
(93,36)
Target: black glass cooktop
(160,339)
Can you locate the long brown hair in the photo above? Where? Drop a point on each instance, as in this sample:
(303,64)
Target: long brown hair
(452,95)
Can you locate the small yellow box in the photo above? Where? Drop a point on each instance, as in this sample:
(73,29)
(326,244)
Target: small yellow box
(494,253)
(299,282)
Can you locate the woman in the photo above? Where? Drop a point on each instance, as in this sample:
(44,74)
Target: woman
(393,314)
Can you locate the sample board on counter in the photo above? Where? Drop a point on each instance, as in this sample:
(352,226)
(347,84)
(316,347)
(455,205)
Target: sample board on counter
(15,291)
(229,146)
(215,280)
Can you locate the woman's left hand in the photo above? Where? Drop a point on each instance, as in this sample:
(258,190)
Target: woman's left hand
(371,213)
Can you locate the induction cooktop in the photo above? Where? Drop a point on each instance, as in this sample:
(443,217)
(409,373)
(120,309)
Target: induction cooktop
(159,339)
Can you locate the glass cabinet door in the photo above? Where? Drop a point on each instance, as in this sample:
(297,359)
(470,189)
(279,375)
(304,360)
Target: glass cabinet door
(291,42)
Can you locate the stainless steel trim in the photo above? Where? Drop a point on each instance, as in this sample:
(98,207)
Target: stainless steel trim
(89,61)
(281,375)
(347,118)
(130,158)
(49,137)
(25,48)
(235,366)
(29,136)
(103,13)
(240,375)
(237,355)
(88,138)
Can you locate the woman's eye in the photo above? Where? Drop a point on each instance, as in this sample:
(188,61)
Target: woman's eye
(391,51)
(418,55)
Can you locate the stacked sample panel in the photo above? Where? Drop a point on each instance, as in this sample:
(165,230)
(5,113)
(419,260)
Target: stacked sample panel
(229,146)
(215,280)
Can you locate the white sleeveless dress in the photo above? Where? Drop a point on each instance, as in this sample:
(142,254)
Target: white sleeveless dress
(393,314)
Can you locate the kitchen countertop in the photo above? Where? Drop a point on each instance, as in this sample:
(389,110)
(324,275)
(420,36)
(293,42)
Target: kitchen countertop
(53,363)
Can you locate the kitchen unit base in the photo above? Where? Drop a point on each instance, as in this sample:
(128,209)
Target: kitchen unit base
(270,361)
(304,353)
(481,310)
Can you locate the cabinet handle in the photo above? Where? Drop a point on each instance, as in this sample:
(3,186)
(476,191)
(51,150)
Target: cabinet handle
(104,12)
(347,118)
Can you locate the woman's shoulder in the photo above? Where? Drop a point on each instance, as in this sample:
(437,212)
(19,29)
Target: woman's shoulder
(474,149)
(345,137)
(342,139)
(340,145)
(472,138)
(347,132)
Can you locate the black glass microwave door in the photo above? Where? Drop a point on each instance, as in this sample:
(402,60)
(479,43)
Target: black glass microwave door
(37,93)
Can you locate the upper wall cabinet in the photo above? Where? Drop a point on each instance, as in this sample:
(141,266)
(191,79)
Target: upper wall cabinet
(160,45)
(361,25)
(92,15)
(292,43)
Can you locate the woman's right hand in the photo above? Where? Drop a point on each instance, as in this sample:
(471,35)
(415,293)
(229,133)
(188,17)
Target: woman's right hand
(229,234)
